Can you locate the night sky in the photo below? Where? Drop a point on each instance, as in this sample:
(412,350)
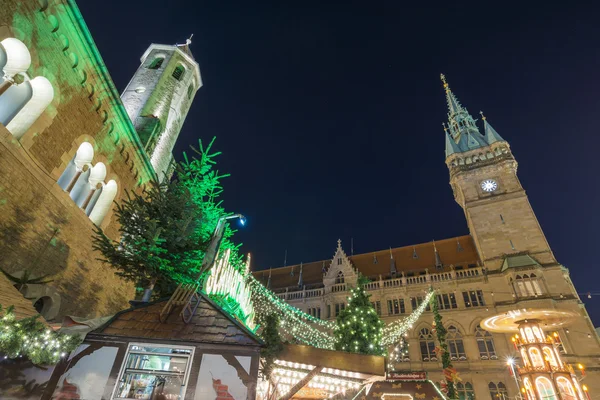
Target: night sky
(329,115)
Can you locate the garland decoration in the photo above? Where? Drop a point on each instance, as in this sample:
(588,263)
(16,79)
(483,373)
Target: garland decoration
(394,331)
(450,374)
(31,338)
(300,327)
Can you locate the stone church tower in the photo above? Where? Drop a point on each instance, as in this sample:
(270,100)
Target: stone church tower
(158,98)
(483,176)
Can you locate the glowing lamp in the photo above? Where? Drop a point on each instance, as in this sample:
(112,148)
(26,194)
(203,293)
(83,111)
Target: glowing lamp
(242,220)
(18,58)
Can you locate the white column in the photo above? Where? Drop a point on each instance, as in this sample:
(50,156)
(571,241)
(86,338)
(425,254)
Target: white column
(104,202)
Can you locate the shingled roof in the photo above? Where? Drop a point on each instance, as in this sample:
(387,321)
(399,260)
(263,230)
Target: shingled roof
(455,252)
(210,324)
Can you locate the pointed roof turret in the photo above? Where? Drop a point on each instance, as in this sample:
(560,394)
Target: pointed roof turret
(185,47)
(438,260)
(491,136)
(451,146)
(393,270)
(300,280)
(464,134)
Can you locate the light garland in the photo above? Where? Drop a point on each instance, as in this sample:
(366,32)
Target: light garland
(295,323)
(395,330)
(299,325)
(260,289)
(29,337)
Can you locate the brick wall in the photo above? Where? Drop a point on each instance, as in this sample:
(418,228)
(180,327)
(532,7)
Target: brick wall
(32,207)
(86,107)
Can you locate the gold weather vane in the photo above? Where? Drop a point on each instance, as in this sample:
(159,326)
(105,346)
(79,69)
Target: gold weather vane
(482,116)
(443,78)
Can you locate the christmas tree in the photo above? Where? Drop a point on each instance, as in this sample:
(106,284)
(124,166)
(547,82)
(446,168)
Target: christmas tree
(358,327)
(165,229)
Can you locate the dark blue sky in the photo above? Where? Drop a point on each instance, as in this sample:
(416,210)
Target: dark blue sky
(329,115)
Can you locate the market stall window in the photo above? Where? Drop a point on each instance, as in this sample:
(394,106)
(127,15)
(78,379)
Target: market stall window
(154,371)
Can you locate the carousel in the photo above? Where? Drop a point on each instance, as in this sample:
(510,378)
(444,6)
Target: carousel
(543,375)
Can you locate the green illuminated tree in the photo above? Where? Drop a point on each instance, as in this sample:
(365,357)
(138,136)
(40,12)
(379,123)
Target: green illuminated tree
(158,243)
(166,228)
(273,345)
(358,327)
(450,374)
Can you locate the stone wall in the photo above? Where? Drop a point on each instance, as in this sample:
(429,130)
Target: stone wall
(44,232)
(41,229)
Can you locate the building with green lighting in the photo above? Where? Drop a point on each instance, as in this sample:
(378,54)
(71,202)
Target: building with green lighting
(70,145)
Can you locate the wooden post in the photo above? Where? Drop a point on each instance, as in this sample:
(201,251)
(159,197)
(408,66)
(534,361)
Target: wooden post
(296,388)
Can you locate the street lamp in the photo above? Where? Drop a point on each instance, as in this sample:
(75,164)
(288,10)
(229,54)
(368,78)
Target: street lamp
(510,361)
(215,242)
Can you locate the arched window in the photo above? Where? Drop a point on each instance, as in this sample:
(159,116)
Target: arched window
(498,391)
(545,389)
(529,389)
(178,72)
(536,357)
(156,63)
(525,357)
(42,94)
(190,91)
(13,100)
(465,391)
(104,202)
(527,285)
(549,355)
(340,277)
(485,344)
(455,344)
(565,388)
(83,158)
(427,345)
(529,334)
(538,334)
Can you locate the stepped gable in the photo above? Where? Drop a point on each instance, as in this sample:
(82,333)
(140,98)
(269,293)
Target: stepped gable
(210,324)
(455,252)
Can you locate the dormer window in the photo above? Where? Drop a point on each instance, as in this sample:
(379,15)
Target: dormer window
(339,261)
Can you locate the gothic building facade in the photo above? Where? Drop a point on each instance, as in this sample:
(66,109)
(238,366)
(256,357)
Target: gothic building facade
(505,263)
(70,146)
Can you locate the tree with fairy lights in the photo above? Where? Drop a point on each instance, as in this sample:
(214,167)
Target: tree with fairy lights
(165,230)
(450,374)
(358,327)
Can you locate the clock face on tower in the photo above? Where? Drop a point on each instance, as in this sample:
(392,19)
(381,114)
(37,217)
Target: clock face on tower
(489,185)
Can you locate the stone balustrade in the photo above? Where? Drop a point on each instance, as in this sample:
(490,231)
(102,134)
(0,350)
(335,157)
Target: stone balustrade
(387,283)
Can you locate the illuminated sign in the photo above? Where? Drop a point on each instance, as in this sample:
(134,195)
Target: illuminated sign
(228,287)
(406,376)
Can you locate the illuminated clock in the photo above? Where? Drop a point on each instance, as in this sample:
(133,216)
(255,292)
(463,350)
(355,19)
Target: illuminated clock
(489,185)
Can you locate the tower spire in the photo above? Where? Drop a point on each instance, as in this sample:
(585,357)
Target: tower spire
(462,128)
(491,135)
